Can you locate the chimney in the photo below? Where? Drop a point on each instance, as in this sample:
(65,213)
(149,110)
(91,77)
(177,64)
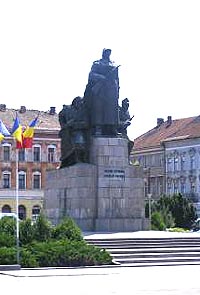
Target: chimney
(52,111)
(169,121)
(2,107)
(160,121)
(22,109)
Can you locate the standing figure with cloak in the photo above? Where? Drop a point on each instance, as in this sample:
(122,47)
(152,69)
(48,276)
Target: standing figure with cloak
(101,96)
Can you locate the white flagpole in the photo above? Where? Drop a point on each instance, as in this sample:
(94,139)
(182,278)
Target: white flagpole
(17,207)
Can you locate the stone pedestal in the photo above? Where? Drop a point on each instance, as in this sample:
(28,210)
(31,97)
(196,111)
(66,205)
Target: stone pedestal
(106,195)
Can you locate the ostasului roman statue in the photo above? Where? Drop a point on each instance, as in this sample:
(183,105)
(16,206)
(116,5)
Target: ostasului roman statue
(97,113)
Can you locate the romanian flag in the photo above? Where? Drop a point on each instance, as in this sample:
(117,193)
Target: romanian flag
(17,133)
(29,133)
(3,131)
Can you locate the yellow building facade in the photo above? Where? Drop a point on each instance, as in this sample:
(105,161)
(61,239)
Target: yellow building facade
(23,171)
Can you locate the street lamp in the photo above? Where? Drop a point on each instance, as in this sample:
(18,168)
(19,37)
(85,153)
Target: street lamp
(149,201)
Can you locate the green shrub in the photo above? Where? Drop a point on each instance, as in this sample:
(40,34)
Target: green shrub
(67,228)
(8,225)
(42,229)
(44,245)
(157,222)
(68,253)
(8,255)
(178,229)
(176,211)
(27,259)
(7,240)
(26,232)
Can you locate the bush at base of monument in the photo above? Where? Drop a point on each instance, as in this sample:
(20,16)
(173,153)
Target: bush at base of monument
(59,246)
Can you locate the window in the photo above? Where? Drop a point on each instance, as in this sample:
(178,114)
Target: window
(175,186)
(182,188)
(160,185)
(22,180)
(22,212)
(193,187)
(161,161)
(192,158)
(169,164)
(36,153)
(192,162)
(37,180)
(51,153)
(6,209)
(153,185)
(182,162)
(169,186)
(176,163)
(6,152)
(21,154)
(6,179)
(182,185)
(35,212)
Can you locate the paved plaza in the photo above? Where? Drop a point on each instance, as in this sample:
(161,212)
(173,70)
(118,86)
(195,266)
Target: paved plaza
(162,280)
(110,280)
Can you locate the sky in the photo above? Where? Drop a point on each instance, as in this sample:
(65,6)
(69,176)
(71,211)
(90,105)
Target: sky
(47,48)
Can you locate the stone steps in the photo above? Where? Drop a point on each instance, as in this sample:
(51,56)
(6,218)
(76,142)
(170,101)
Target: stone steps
(156,251)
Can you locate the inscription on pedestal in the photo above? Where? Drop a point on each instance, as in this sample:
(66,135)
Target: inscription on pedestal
(115,174)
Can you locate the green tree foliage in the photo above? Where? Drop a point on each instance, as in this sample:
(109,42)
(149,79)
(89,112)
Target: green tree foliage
(42,229)
(8,255)
(7,240)
(183,211)
(67,228)
(26,232)
(157,222)
(8,225)
(175,210)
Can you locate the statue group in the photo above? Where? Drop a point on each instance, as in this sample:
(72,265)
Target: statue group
(97,113)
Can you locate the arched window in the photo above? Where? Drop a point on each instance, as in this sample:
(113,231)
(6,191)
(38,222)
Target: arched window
(22,212)
(6,209)
(37,180)
(22,180)
(35,212)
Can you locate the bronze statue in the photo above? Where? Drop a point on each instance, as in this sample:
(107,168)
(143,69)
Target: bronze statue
(96,114)
(124,117)
(101,95)
(74,133)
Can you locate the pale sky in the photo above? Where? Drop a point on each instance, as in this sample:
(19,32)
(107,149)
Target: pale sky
(47,48)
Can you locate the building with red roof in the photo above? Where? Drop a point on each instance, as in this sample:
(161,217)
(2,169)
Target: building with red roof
(170,156)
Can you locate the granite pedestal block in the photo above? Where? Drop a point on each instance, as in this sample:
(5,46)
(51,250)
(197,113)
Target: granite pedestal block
(105,195)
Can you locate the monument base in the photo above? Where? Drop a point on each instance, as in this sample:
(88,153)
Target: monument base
(106,195)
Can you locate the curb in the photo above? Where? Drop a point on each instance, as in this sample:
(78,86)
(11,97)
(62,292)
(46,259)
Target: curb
(10,267)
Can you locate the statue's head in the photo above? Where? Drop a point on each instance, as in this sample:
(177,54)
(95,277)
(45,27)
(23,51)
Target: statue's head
(77,101)
(125,100)
(106,53)
(125,103)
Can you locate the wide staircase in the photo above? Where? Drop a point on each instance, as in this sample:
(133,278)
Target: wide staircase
(151,251)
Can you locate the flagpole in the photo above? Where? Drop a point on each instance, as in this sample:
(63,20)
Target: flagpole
(17,206)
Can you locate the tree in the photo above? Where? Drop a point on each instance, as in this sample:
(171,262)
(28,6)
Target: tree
(176,211)
(42,229)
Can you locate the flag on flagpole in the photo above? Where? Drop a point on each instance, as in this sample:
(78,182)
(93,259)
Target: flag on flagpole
(3,131)
(29,133)
(17,133)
